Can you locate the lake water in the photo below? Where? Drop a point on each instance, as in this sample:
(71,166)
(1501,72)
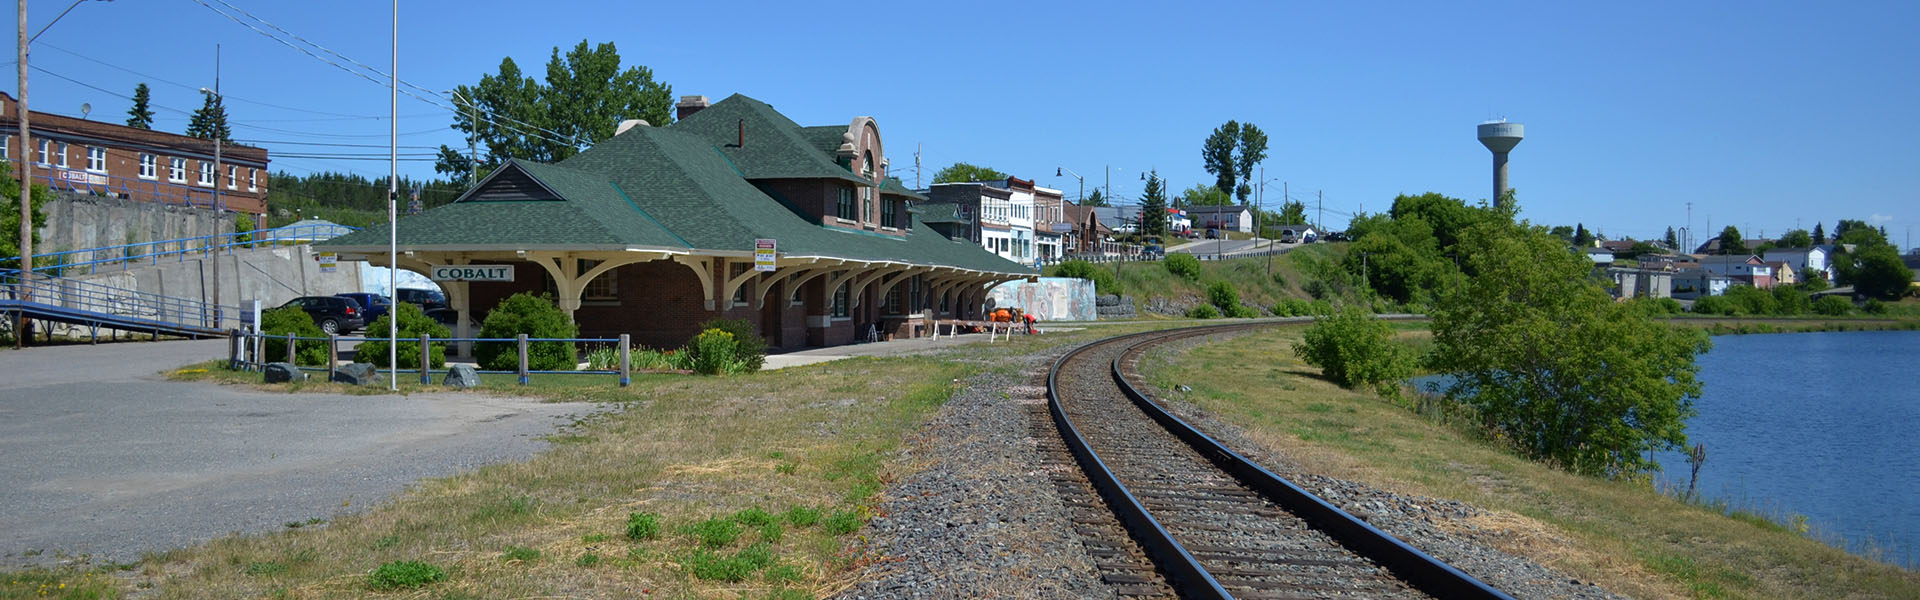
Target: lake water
(1825,425)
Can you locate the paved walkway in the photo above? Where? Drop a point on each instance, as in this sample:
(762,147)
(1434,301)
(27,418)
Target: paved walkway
(104,458)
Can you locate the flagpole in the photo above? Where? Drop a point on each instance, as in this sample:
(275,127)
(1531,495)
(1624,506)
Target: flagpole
(393,218)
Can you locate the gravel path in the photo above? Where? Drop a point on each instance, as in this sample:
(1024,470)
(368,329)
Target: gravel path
(975,519)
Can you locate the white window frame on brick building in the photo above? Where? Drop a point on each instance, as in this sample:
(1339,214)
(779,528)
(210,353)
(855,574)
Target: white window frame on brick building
(206,174)
(177,170)
(233,177)
(253,181)
(96,159)
(43,153)
(149,166)
(63,156)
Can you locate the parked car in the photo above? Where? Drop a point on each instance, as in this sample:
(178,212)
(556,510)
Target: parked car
(426,299)
(334,314)
(449,317)
(373,305)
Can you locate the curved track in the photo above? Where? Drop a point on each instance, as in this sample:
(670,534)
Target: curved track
(1214,524)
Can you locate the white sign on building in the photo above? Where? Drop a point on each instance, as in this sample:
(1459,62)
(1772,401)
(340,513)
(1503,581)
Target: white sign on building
(472,273)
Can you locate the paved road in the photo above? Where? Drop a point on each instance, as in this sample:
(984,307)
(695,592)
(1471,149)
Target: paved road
(104,458)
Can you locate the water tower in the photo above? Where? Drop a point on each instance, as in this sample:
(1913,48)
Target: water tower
(1500,137)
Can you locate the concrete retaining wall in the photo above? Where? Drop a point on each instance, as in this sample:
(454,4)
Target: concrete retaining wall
(1052,299)
(76,222)
(270,275)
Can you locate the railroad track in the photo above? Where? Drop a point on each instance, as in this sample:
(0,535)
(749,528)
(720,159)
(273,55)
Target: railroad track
(1165,511)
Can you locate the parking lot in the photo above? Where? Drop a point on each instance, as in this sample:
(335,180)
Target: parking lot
(107,459)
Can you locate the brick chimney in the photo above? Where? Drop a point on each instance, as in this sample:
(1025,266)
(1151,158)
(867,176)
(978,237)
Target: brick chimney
(689,105)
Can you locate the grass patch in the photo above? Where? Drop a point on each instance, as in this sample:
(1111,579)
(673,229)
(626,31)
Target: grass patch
(405,574)
(1627,536)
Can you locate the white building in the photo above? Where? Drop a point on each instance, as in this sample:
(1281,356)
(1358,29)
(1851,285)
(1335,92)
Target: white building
(1818,258)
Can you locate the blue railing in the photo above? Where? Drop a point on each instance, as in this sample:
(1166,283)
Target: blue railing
(246,350)
(92,260)
(107,306)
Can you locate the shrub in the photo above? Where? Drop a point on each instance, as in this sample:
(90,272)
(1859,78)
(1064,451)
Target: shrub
(1353,349)
(716,533)
(1789,300)
(1103,280)
(643,526)
(1832,306)
(1292,307)
(404,574)
(537,317)
(1715,305)
(414,323)
(712,352)
(1658,306)
(1873,307)
(712,567)
(291,319)
(1223,296)
(1184,265)
(1204,311)
(1749,300)
(749,350)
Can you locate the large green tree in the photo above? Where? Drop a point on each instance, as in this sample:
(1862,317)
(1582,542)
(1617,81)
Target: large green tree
(1879,273)
(1252,150)
(141,115)
(210,121)
(1153,206)
(582,100)
(10,218)
(1097,198)
(1217,155)
(965,172)
(1798,238)
(1553,365)
(1204,195)
(1731,243)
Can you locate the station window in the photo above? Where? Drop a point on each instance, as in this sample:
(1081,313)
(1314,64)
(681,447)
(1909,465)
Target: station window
(233,179)
(206,173)
(605,287)
(43,152)
(177,170)
(149,166)
(844,209)
(60,159)
(840,309)
(887,214)
(253,180)
(736,270)
(96,159)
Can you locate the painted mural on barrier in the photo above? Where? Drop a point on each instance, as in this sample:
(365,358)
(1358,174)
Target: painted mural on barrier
(1052,299)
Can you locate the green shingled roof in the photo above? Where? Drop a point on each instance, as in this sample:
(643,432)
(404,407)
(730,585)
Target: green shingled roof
(592,214)
(775,148)
(893,186)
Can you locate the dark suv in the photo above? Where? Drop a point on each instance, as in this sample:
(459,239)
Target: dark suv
(375,305)
(334,315)
(425,299)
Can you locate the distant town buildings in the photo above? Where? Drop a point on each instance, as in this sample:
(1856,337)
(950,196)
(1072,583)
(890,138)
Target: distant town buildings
(94,157)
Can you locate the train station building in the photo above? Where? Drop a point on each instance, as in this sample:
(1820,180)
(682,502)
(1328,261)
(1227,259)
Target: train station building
(654,231)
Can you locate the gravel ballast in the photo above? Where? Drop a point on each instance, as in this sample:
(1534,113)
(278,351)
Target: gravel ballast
(975,517)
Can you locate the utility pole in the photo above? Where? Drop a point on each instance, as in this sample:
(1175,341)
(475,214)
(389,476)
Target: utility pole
(1687,242)
(1319,209)
(916,166)
(20,332)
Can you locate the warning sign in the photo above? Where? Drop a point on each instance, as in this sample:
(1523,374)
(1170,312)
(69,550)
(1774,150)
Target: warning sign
(328,261)
(763,255)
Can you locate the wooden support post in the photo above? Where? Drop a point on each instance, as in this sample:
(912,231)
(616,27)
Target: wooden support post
(233,349)
(626,365)
(426,360)
(333,355)
(290,344)
(523,359)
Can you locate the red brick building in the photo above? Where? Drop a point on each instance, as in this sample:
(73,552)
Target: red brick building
(94,157)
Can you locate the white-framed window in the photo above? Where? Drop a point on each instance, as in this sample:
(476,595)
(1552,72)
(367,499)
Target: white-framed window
(206,173)
(177,170)
(43,152)
(736,270)
(6,146)
(604,287)
(233,177)
(149,166)
(866,191)
(96,159)
(253,182)
(840,309)
(61,160)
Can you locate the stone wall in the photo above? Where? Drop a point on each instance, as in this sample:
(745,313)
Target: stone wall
(1052,299)
(78,222)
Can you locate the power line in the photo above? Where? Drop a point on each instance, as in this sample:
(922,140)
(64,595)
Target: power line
(196,88)
(331,144)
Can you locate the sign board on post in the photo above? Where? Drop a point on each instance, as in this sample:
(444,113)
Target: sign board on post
(764,251)
(471,273)
(249,315)
(329,261)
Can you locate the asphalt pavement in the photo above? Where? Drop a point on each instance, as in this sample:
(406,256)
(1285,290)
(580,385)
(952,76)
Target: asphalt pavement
(107,460)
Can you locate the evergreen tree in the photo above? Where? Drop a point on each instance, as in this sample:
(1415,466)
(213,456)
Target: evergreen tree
(1153,206)
(210,122)
(1095,199)
(140,116)
(1819,234)
(1673,239)
(1581,237)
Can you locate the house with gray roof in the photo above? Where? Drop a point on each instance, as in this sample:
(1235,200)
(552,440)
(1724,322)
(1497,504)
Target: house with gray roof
(654,230)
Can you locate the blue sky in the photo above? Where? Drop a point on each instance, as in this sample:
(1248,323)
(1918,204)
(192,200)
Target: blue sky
(1763,115)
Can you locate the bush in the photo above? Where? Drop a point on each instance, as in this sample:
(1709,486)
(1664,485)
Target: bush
(712,352)
(1873,307)
(1749,300)
(414,323)
(1204,311)
(1658,306)
(291,319)
(1103,280)
(1353,349)
(749,350)
(643,526)
(1184,265)
(1715,305)
(404,574)
(537,317)
(1292,307)
(1832,305)
(1789,300)
(1222,295)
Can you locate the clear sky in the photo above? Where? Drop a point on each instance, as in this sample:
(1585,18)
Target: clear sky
(1763,115)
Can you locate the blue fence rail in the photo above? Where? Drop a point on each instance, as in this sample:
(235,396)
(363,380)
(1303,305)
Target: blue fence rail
(95,260)
(103,306)
(247,351)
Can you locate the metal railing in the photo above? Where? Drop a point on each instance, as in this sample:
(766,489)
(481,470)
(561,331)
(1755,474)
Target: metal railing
(92,260)
(108,306)
(247,351)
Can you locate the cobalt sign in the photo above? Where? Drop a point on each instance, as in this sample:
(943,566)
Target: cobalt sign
(472,273)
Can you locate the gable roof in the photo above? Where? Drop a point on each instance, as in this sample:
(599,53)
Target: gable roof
(775,147)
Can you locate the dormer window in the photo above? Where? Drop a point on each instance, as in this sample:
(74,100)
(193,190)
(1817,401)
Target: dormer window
(866,192)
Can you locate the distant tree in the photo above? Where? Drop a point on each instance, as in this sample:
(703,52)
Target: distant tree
(1242,191)
(1730,242)
(1563,232)
(1581,238)
(1217,155)
(1552,365)
(583,99)
(1153,206)
(140,116)
(965,172)
(210,122)
(1095,199)
(1291,213)
(1819,234)
(1204,195)
(1640,249)
(1252,150)
(1880,273)
(1672,239)
(1797,238)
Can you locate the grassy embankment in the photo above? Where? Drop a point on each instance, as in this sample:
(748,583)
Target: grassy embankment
(1627,536)
(791,461)
(1292,275)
